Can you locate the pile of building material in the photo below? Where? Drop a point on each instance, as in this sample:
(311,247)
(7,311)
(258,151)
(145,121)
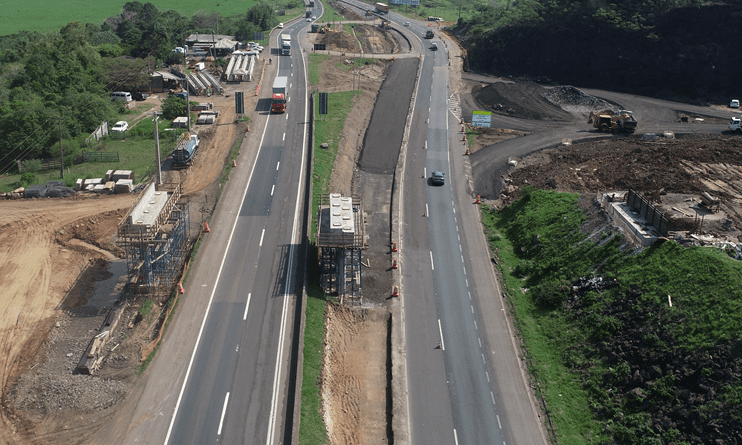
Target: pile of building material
(118,181)
(93,357)
(241,66)
(51,189)
(202,83)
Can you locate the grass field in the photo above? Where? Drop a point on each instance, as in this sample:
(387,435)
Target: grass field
(49,16)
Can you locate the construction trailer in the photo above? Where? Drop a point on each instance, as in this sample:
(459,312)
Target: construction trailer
(341,239)
(154,234)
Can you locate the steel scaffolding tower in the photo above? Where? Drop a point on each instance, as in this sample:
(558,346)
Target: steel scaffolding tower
(341,238)
(156,246)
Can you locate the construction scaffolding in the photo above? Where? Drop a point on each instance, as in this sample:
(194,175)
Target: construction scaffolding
(154,235)
(341,239)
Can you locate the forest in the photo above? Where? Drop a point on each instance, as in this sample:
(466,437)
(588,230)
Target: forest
(674,49)
(58,85)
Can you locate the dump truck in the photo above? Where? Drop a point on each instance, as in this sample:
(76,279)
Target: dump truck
(185,150)
(285,44)
(278,102)
(382,8)
(607,120)
(429,34)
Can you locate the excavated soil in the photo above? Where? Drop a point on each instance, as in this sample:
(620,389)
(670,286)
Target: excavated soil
(657,168)
(354,379)
(347,38)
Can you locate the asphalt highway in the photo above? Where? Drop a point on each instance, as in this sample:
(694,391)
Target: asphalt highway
(222,374)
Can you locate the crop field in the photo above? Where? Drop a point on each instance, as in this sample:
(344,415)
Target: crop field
(49,16)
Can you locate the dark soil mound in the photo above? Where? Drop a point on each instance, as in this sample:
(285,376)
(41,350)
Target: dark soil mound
(521,99)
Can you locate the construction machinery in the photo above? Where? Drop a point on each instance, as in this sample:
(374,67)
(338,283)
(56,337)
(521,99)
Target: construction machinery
(607,120)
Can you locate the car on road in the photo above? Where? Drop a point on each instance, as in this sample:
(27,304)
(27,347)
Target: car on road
(120,127)
(314,18)
(437,178)
(309,20)
(434,47)
(734,104)
(280,25)
(406,23)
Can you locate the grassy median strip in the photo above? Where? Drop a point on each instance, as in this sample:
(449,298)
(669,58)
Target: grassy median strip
(312,427)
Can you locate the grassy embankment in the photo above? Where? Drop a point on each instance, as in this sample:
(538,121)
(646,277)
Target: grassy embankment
(542,252)
(312,428)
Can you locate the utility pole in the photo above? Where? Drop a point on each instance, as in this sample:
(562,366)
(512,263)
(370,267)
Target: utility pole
(157,146)
(188,94)
(61,149)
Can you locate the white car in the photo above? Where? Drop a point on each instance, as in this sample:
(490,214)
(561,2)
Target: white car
(406,23)
(734,104)
(120,127)
(280,25)
(309,20)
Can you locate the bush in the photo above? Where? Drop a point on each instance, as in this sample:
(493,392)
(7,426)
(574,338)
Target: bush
(27,179)
(550,293)
(31,166)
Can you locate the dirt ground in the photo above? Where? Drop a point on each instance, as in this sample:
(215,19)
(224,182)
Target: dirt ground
(53,253)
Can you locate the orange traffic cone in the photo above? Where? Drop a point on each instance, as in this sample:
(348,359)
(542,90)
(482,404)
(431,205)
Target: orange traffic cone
(395,264)
(206,228)
(479,200)
(467,151)
(234,163)
(180,288)
(247,128)
(463,137)
(395,291)
(394,246)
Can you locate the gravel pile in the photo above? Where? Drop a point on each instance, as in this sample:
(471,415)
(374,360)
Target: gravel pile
(51,385)
(573,100)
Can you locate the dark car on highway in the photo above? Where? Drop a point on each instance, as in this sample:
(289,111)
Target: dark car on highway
(436,178)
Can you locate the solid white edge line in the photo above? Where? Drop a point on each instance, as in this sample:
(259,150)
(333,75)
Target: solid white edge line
(247,305)
(261,238)
(286,297)
(440,329)
(224,411)
(455,437)
(211,298)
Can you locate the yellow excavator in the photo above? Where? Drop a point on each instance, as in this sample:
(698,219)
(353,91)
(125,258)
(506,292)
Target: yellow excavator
(607,120)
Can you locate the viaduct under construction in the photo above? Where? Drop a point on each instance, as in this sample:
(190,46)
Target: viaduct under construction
(154,235)
(341,239)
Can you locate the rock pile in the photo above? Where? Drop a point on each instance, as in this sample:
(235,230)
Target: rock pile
(574,100)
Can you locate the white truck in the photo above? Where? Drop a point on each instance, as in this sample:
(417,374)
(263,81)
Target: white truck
(735,125)
(285,44)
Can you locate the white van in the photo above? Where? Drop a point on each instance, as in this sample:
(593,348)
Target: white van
(121,95)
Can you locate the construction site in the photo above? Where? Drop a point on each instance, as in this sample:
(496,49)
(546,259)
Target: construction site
(341,240)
